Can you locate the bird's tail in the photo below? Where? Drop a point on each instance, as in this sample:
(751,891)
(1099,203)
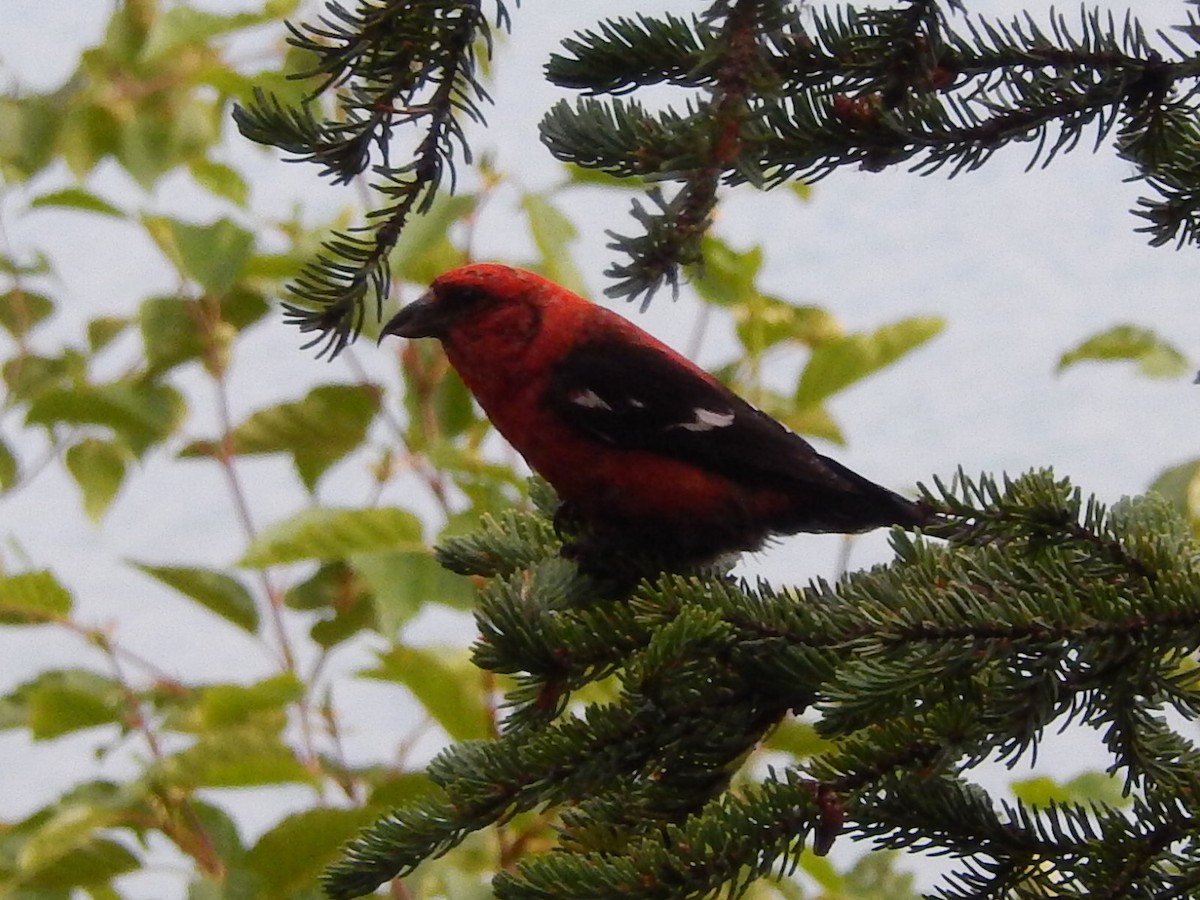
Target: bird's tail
(878,506)
(847,502)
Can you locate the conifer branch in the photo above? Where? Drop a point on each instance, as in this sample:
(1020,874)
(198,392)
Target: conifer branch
(1037,607)
(769,95)
(730,843)
(672,238)
(875,88)
(395,66)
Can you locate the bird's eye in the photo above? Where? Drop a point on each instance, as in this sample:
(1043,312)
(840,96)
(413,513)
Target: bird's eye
(461,297)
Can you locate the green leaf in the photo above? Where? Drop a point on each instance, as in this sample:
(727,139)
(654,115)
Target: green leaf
(9,469)
(424,250)
(82,809)
(241,307)
(88,132)
(170,329)
(146,146)
(727,276)
(125,35)
(1041,790)
(218,178)
(431,386)
(220,829)
(61,701)
(1180,485)
(176,330)
(31,598)
(102,329)
(874,876)
(78,198)
(55,711)
(144,413)
(802,190)
(340,595)
(215,591)
(1156,358)
(262,704)
(815,421)
(333,533)
(444,682)
(22,310)
(331,586)
(98,467)
(274,266)
(29,127)
(1098,787)
(821,870)
(403,581)
(552,234)
(490,487)
(345,622)
(233,883)
(28,375)
(234,757)
(842,361)
(762,322)
(798,738)
(91,863)
(1090,787)
(317,431)
(579,175)
(10,265)
(212,255)
(179,28)
(290,857)
(728,279)
(391,788)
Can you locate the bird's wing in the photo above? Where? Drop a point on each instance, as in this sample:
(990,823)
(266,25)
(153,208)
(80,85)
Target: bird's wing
(637,397)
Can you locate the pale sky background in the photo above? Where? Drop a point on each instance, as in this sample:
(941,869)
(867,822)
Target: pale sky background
(1022,266)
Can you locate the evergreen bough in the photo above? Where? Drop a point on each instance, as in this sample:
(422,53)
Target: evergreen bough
(770,93)
(1028,608)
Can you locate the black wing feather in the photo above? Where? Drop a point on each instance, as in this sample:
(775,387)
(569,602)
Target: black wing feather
(635,397)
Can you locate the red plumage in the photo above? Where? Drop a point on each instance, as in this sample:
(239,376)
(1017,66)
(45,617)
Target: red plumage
(650,455)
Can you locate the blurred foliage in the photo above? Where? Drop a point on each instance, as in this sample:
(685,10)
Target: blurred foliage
(1154,357)
(133,390)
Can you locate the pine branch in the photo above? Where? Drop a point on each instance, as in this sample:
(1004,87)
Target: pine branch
(673,236)
(872,88)
(732,842)
(396,65)
(625,54)
(1036,608)
(655,747)
(768,96)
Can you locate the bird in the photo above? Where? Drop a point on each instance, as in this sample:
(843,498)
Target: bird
(652,458)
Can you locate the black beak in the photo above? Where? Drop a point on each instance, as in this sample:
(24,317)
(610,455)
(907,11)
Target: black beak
(424,317)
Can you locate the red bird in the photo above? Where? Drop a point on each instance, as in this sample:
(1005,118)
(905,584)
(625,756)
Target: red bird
(650,455)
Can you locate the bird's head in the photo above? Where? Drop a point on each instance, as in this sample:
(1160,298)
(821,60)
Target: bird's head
(472,294)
